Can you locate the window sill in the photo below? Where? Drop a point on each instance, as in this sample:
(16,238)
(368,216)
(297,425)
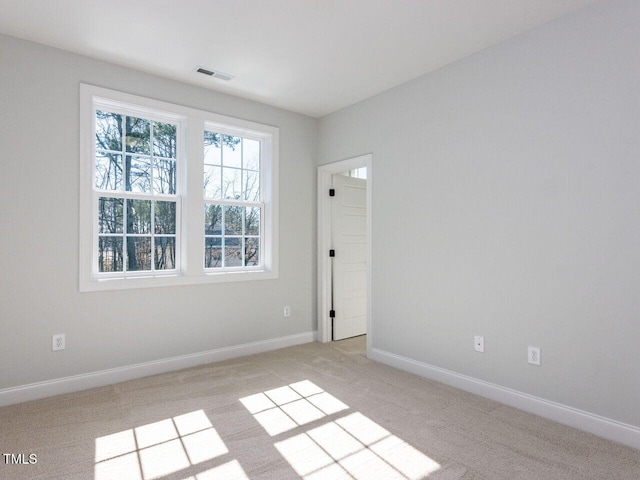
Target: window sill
(127,283)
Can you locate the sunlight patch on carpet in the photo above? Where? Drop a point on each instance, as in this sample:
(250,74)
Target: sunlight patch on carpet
(161,448)
(350,447)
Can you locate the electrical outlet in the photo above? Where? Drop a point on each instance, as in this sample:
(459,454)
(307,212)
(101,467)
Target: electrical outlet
(479,343)
(287,311)
(57,342)
(534,356)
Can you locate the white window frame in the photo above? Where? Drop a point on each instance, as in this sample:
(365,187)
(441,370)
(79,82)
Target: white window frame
(190,217)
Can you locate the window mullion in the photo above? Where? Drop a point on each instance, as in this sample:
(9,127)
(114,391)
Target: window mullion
(193,204)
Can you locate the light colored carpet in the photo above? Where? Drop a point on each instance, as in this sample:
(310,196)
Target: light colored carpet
(316,411)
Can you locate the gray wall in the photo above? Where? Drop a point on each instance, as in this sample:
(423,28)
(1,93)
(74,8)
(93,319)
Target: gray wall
(506,203)
(39,103)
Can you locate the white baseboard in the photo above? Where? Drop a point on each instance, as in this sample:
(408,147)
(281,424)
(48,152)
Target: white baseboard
(35,391)
(588,422)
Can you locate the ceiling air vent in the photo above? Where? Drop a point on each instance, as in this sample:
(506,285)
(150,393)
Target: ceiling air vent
(211,73)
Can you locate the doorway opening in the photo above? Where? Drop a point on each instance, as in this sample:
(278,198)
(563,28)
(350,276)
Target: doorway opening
(344,249)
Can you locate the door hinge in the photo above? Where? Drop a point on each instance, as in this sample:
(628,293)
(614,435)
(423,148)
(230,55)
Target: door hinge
(332,253)
(332,192)
(332,313)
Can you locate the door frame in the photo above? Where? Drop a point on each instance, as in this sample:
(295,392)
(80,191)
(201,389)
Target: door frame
(325,174)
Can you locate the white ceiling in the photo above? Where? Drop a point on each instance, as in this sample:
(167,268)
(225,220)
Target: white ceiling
(307,56)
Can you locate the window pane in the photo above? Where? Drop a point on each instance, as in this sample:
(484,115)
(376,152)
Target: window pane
(252,221)
(110,219)
(164,140)
(138,216)
(251,154)
(108,131)
(231,183)
(138,135)
(213,252)
(251,251)
(165,217)
(233,220)
(212,182)
(164,178)
(137,175)
(231,151)
(110,254)
(232,252)
(213,220)
(212,148)
(251,186)
(108,171)
(138,253)
(165,253)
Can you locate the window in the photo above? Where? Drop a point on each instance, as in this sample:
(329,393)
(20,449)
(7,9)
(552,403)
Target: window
(233,201)
(135,185)
(155,176)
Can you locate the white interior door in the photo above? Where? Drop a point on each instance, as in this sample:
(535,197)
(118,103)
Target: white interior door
(349,241)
